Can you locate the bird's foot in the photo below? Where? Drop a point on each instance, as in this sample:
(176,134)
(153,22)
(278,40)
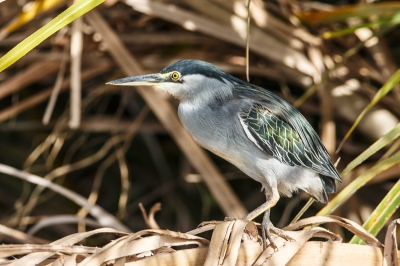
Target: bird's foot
(266,230)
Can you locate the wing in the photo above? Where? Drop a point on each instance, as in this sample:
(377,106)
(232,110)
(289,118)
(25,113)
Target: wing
(277,138)
(281,131)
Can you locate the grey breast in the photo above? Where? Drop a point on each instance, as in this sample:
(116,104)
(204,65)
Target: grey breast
(218,129)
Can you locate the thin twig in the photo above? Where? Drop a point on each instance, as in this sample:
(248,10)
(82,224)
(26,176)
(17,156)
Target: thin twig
(56,89)
(96,211)
(134,127)
(43,95)
(248,41)
(303,210)
(32,74)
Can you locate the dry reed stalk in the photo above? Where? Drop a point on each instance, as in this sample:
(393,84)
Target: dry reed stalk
(32,74)
(76,82)
(234,33)
(234,242)
(45,94)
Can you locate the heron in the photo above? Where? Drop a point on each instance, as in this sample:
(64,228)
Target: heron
(252,128)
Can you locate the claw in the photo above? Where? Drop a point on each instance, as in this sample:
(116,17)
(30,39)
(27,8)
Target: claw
(267,227)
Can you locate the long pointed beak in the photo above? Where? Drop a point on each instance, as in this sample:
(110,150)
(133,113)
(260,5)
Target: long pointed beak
(144,80)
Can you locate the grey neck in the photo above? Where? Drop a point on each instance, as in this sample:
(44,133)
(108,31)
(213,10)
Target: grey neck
(211,92)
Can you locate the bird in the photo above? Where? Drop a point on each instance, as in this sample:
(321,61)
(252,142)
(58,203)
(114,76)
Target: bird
(252,128)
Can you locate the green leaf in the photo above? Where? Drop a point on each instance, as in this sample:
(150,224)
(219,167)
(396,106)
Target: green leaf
(73,12)
(386,88)
(381,214)
(352,188)
(379,144)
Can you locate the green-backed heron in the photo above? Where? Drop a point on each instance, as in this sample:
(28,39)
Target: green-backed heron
(260,133)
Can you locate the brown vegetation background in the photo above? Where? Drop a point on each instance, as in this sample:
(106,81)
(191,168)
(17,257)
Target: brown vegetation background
(119,147)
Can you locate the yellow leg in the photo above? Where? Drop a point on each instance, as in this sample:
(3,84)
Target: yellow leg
(272,198)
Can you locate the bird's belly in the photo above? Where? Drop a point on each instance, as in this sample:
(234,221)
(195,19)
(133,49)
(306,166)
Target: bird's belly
(263,168)
(270,172)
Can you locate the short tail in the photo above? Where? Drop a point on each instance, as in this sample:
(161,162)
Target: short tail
(329,187)
(329,183)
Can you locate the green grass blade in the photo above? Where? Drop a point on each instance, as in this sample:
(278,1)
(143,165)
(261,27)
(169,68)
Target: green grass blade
(66,17)
(391,21)
(381,214)
(310,91)
(386,88)
(392,149)
(352,188)
(379,144)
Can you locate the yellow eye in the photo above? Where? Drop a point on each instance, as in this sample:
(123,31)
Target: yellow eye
(175,76)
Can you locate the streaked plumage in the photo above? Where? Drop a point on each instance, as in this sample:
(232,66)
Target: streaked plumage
(260,133)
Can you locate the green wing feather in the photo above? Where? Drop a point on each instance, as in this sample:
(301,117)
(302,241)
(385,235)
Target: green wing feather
(282,131)
(279,139)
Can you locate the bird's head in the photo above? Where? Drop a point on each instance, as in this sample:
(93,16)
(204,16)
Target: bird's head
(191,80)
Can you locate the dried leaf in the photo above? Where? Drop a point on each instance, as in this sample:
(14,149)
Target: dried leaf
(346,223)
(391,252)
